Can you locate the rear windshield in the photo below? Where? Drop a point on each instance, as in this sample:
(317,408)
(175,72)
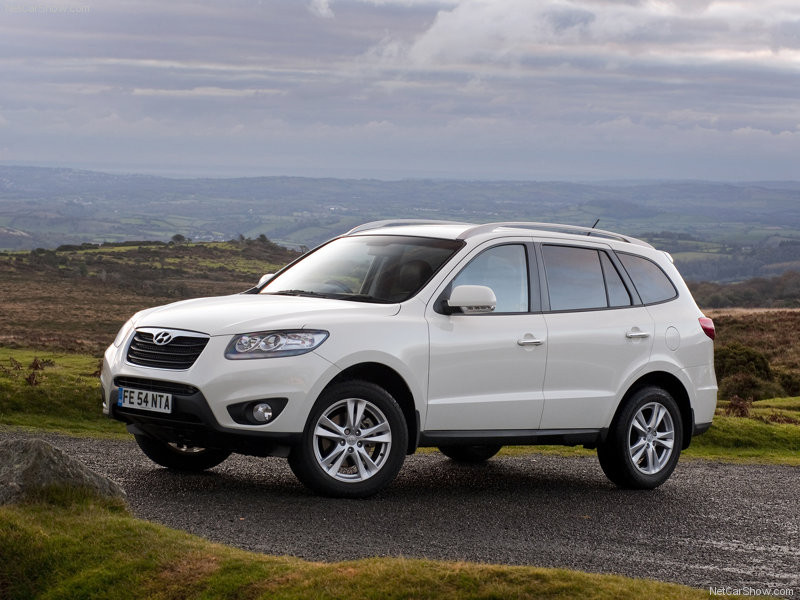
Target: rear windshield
(365,268)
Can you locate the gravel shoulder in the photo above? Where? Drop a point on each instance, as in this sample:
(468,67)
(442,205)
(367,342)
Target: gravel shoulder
(711,525)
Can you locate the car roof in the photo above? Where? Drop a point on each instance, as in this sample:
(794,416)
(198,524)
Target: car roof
(461,231)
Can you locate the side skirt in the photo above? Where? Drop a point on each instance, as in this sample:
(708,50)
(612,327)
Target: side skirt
(514,437)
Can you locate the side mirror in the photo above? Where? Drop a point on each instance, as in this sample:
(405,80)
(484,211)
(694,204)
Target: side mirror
(264,279)
(472,299)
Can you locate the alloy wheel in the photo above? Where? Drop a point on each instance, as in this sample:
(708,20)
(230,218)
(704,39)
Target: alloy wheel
(352,439)
(651,438)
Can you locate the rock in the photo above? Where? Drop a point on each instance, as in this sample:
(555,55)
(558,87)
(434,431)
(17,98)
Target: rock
(30,464)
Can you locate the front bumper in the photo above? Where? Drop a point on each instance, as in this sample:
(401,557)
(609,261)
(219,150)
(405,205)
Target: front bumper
(206,395)
(192,423)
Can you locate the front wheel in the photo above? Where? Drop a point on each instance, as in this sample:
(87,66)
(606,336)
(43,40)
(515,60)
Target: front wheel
(354,442)
(644,441)
(470,454)
(180,457)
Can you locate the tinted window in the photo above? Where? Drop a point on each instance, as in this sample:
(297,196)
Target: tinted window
(651,282)
(505,270)
(574,278)
(617,292)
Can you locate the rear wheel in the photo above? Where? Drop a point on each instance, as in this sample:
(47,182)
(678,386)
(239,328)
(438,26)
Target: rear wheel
(181,457)
(644,442)
(354,442)
(470,454)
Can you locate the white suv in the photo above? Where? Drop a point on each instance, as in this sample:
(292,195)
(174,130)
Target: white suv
(403,334)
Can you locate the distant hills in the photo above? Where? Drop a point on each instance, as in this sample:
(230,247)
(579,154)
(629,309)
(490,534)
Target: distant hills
(716,231)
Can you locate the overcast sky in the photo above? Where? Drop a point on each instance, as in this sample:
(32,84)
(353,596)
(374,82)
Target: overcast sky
(390,89)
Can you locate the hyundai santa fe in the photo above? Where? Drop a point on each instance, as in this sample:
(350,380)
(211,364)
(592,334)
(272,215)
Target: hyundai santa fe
(406,334)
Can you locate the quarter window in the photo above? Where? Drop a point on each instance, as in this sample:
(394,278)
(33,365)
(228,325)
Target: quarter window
(650,281)
(617,292)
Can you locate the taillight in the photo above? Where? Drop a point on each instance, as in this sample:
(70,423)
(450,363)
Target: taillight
(708,327)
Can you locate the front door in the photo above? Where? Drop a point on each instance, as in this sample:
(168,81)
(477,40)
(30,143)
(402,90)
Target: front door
(487,370)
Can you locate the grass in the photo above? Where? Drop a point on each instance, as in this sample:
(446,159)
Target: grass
(65,397)
(72,544)
(750,440)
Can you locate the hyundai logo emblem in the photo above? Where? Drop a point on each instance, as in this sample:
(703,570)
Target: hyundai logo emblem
(162,338)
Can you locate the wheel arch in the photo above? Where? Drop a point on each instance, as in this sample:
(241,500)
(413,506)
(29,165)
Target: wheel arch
(675,387)
(390,380)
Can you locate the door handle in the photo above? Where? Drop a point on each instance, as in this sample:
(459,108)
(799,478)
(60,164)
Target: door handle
(636,335)
(530,342)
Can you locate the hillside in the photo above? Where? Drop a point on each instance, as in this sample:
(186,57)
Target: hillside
(77,299)
(716,231)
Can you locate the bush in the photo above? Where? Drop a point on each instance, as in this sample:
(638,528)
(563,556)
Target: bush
(739,407)
(746,385)
(736,358)
(789,380)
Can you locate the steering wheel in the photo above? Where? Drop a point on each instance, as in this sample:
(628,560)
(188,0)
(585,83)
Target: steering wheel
(337,283)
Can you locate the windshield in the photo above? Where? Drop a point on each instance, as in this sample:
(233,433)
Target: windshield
(368,268)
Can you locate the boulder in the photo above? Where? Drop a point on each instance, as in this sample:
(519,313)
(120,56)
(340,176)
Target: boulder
(26,465)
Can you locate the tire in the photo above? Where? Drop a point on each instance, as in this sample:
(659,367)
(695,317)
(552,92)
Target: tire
(470,454)
(644,441)
(354,442)
(181,458)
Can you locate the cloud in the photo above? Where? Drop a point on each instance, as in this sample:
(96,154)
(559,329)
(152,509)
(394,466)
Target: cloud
(489,88)
(321,8)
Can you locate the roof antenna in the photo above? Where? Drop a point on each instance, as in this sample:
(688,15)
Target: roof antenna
(593,226)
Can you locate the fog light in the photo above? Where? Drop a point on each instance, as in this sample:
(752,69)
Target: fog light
(262,412)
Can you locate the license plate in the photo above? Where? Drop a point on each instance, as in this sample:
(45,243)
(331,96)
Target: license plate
(145,400)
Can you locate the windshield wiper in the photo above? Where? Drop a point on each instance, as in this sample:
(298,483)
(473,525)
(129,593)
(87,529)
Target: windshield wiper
(333,296)
(300,293)
(363,298)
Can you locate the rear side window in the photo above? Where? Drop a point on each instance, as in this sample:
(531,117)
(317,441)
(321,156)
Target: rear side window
(582,278)
(574,278)
(651,282)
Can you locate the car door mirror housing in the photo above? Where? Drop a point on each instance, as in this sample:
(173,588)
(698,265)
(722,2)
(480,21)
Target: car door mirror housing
(264,279)
(472,299)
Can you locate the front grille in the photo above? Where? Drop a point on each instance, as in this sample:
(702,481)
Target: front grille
(179,354)
(154,385)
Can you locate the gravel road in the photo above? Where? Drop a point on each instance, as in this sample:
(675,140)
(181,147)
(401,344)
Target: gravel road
(711,524)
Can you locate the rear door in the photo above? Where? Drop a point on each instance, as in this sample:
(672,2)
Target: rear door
(599,335)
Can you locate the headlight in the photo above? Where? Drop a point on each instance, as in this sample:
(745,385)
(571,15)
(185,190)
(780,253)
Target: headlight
(272,344)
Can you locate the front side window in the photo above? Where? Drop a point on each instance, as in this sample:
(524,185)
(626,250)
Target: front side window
(504,269)
(367,268)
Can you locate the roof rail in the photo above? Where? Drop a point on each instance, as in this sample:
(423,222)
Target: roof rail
(400,222)
(573,229)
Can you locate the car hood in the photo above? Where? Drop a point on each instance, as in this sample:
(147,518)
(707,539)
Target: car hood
(244,313)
